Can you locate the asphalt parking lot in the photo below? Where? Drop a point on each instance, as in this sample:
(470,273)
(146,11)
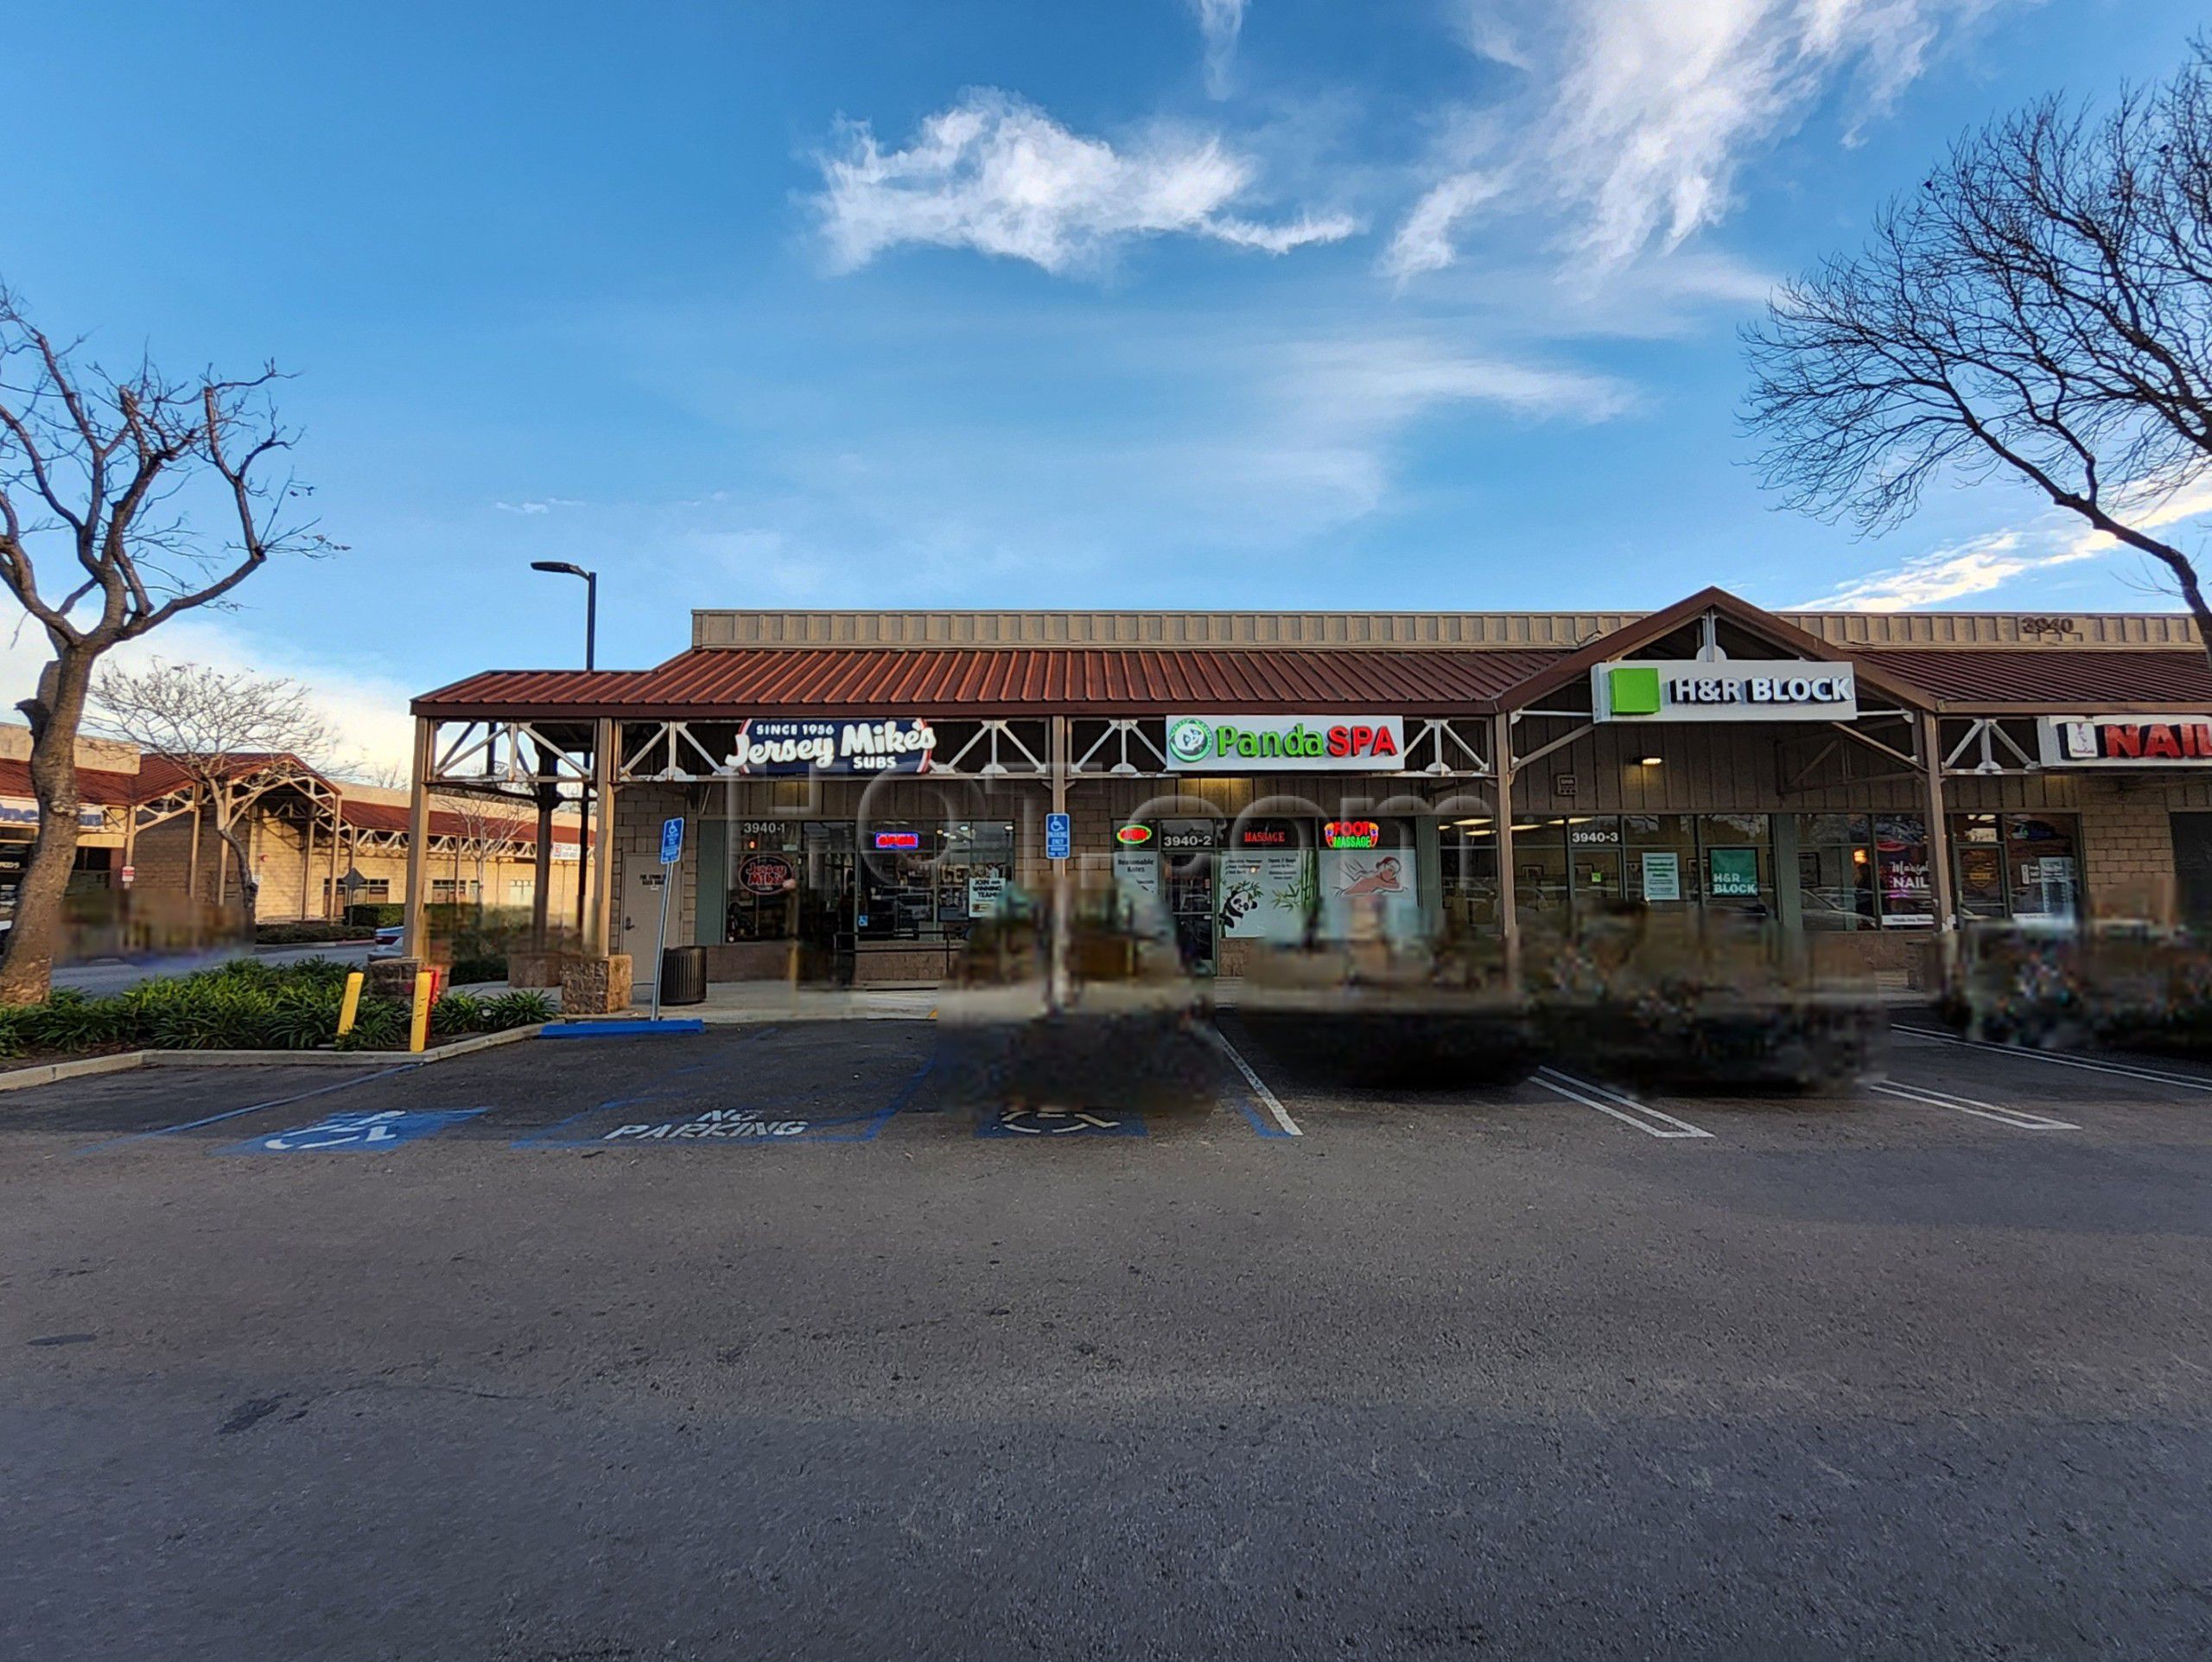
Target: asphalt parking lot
(796,1341)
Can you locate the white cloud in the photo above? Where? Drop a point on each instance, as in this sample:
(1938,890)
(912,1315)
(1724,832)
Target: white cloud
(1220,22)
(1973,567)
(1373,383)
(999,175)
(1982,564)
(367,712)
(537,507)
(1638,116)
(1426,241)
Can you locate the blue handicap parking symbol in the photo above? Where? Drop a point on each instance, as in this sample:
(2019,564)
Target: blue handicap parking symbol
(1060,1122)
(386,1129)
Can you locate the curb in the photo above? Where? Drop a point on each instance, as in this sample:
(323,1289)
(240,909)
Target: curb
(51,1072)
(23,1078)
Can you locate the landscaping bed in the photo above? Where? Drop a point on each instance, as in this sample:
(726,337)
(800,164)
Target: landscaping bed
(244,1005)
(2118,988)
(312,934)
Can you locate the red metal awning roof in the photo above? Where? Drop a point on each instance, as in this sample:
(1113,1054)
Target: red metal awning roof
(730,683)
(97,787)
(2049,678)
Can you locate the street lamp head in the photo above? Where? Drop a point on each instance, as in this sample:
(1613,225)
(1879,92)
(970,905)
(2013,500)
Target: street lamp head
(562,566)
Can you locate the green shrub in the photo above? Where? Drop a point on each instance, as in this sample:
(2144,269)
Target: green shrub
(469,971)
(517,1009)
(250,1005)
(457,1012)
(310,933)
(380,1024)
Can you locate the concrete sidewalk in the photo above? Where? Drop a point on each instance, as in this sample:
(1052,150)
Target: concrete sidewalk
(735,1002)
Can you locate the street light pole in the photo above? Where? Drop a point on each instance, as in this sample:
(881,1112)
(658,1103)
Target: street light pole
(591,603)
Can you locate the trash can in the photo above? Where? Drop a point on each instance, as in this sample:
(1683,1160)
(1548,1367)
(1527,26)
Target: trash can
(683,975)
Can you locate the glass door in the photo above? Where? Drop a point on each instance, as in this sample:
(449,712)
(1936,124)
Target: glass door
(827,903)
(1190,902)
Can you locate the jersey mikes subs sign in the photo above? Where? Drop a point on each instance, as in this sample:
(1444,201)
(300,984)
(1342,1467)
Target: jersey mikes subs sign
(2125,740)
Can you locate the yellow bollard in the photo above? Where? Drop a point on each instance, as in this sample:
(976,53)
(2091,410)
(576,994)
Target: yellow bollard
(352,1006)
(419,1034)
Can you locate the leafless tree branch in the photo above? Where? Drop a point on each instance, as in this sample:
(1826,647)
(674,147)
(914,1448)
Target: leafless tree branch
(2041,309)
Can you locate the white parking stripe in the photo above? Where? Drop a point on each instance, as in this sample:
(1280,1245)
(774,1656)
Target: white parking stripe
(2125,1070)
(2018,1118)
(1628,1111)
(1259,1085)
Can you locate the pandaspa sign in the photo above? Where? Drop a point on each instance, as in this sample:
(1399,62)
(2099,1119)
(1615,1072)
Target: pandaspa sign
(1285,744)
(900,745)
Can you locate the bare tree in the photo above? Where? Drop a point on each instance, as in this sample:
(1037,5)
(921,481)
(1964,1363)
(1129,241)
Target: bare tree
(385,775)
(487,825)
(100,476)
(2041,309)
(235,736)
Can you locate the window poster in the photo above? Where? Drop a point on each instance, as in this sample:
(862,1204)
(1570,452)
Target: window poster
(1731,874)
(1368,895)
(1266,895)
(1662,875)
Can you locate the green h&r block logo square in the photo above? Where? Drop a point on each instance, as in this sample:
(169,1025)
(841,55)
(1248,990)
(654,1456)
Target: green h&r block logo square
(1633,691)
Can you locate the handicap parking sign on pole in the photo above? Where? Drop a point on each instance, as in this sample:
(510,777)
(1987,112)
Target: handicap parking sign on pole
(671,850)
(1058,837)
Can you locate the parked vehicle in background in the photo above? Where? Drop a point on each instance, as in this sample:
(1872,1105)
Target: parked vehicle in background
(388,940)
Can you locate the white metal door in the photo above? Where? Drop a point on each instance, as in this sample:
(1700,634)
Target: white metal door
(641,919)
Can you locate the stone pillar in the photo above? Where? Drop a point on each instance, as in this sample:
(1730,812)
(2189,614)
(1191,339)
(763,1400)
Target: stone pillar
(593,985)
(392,977)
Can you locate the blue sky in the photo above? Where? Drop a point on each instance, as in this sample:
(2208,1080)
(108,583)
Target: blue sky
(1154,303)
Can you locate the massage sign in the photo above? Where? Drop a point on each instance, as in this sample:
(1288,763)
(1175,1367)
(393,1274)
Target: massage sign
(901,745)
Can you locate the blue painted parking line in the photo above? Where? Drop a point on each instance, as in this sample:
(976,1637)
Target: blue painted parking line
(250,1108)
(1060,1122)
(756,1125)
(621,1030)
(350,1132)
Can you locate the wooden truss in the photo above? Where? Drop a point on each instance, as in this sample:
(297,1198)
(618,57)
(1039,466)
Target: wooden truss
(521,758)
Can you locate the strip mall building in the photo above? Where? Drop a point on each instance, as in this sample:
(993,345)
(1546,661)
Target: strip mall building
(858,788)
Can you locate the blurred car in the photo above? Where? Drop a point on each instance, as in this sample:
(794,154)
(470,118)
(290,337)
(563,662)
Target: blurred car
(388,940)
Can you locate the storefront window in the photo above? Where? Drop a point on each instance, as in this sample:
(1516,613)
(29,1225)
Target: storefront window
(1738,865)
(1467,851)
(1906,892)
(1660,850)
(1368,886)
(2042,855)
(2020,866)
(1266,887)
(1577,866)
(1836,871)
(766,875)
(1593,863)
(930,882)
